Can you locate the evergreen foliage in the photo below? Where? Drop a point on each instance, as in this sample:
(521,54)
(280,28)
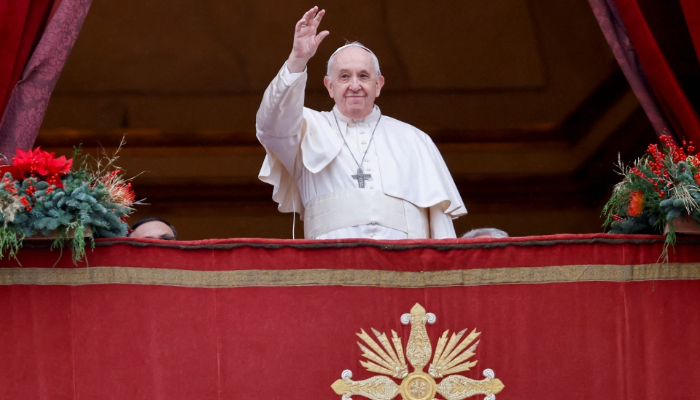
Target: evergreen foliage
(659,187)
(41,196)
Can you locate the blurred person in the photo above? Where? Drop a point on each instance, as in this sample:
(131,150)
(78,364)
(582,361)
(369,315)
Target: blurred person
(485,233)
(153,228)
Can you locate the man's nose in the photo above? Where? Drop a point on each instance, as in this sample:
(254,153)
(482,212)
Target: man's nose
(355,84)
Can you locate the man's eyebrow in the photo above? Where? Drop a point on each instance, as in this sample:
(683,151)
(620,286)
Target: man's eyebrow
(366,71)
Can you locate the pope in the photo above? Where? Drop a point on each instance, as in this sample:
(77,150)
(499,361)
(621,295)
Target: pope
(351,172)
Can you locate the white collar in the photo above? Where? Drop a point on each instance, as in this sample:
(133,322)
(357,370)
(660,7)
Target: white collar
(370,119)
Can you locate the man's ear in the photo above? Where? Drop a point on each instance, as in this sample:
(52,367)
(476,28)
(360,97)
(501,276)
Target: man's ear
(380,83)
(329,85)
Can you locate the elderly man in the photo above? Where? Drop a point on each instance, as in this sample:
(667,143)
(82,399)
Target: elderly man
(351,172)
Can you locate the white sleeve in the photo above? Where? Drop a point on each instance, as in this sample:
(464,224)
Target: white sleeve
(441,226)
(279,120)
(290,77)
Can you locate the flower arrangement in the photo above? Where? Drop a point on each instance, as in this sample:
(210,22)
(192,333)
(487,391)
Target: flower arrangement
(661,186)
(78,198)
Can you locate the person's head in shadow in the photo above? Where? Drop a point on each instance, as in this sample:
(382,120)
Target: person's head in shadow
(153,228)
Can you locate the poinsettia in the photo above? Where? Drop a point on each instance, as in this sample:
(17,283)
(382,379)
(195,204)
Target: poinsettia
(41,194)
(28,162)
(57,166)
(40,164)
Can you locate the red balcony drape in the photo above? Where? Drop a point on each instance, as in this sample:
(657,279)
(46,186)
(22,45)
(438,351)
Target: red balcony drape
(21,24)
(636,45)
(564,316)
(28,97)
(691,11)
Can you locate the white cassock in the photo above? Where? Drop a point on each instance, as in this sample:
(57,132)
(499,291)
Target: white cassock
(410,194)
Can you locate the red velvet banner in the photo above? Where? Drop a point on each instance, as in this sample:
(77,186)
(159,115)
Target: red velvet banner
(568,316)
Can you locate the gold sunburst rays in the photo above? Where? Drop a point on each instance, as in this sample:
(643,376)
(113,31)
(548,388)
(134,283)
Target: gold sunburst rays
(387,357)
(454,357)
(383,361)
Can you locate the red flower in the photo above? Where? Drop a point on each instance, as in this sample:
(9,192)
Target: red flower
(58,166)
(40,164)
(636,203)
(27,162)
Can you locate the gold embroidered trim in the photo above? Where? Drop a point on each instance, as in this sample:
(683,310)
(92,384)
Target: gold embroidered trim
(347,277)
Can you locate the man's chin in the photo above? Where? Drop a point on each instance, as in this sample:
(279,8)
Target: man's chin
(355,113)
(357,108)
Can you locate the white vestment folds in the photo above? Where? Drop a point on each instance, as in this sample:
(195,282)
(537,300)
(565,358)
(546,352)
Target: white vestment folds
(308,158)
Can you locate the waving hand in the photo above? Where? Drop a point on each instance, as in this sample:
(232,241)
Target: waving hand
(306,39)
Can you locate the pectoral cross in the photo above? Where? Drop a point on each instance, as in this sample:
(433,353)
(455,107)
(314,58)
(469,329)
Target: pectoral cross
(361,178)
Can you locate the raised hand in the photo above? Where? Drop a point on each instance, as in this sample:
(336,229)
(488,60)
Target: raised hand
(306,40)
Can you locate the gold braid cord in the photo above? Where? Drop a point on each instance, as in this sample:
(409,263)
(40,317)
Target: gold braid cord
(387,357)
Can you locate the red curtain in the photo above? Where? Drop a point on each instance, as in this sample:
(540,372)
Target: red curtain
(645,23)
(691,10)
(21,24)
(29,96)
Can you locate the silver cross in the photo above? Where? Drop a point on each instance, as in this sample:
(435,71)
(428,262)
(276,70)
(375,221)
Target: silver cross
(361,178)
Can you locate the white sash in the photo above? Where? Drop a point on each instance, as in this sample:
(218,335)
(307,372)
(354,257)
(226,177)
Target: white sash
(364,207)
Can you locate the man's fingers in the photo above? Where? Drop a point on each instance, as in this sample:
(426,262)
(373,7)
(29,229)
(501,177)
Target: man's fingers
(311,18)
(309,15)
(321,36)
(319,16)
(306,40)
(316,21)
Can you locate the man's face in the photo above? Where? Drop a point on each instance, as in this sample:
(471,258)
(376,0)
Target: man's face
(153,230)
(353,83)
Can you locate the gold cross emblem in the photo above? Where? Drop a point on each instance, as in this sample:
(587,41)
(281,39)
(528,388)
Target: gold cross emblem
(451,356)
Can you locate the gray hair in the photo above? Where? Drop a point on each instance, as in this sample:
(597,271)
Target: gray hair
(485,232)
(352,44)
